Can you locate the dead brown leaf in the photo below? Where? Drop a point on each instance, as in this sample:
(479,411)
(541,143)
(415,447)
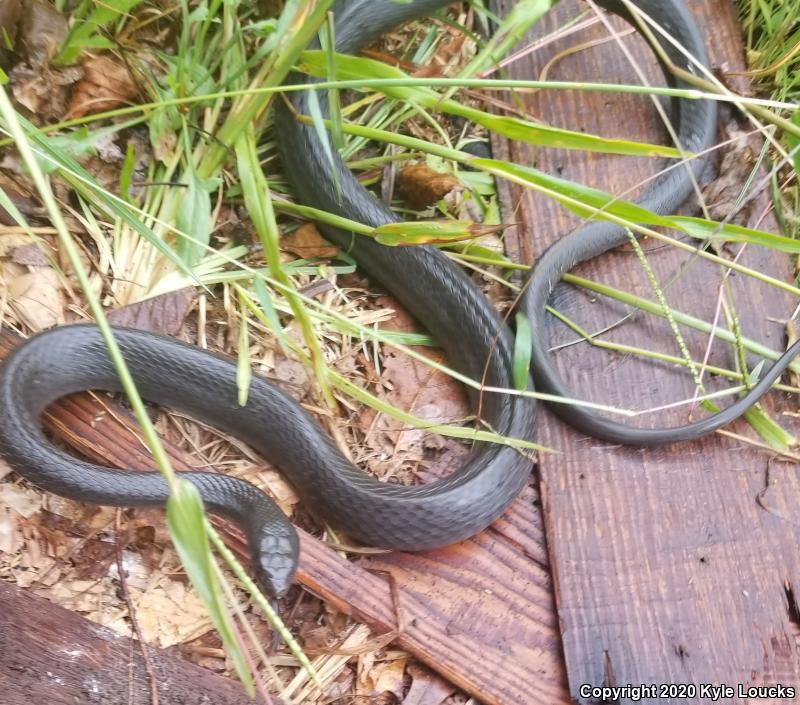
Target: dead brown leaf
(382,682)
(420,186)
(415,387)
(163,314)
(32,254)
(21,195)
(307,242)
(43,91)
(426,687)
(292,376)
(35,84)
(723,194)
(169,612)
(106,84)
(35,296)
(391,678)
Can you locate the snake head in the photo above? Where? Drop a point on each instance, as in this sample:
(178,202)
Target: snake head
(275,551)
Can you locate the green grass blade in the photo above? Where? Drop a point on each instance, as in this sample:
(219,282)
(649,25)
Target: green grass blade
(187,526)
(353,68)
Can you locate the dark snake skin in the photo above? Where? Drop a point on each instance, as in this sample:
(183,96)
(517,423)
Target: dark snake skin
(441,297)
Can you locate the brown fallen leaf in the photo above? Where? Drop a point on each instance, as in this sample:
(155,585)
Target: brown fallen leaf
(35,84)
(415,387)
(377,680)
(35,295)
(292,377)
(420,186)
(723,194)
(426,687)
(43,91)
(106,84)
(20,191)
(307,242)
(32,254)
(163,314)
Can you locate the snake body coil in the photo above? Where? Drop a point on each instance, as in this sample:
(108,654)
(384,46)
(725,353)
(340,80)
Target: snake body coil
(439,295)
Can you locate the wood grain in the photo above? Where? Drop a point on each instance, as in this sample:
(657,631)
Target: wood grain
(480,613)
(677,565)
(51,655)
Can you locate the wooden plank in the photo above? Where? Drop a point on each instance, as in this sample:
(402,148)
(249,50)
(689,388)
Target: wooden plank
(51,655)
(676,565)
(480,613)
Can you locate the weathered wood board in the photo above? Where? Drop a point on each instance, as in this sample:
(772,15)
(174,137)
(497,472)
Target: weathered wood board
(676,565)
(51,655)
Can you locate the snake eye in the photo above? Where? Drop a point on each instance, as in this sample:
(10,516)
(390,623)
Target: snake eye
(277,550)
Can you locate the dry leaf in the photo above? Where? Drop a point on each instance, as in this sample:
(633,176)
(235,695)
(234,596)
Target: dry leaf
(42,90)
(306,242)
(292,377)
(106,84)
(415,387)
(35,295)
(163,314)
(5,468)
(11,540)
(390,678)
(426,687)
(37,86)
(380,681)
(169,613)
(32,254)
(13,241)
(723,193)
(24,502)
(420,186)
(282,492)
(20,194)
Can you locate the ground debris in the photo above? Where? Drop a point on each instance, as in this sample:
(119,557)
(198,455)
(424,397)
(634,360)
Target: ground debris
(420,186)
(106,84)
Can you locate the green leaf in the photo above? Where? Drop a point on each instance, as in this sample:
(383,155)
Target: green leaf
(515,25)
(591,197)
(769,429)
(194,216)
(84,31)
(794,142)
(126,172)
(352,68)
(328,38)
(318,121)
(188,530)
(85,184)
(270,314)
(709,230)
(431,231)
(523,346)
(81,141)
